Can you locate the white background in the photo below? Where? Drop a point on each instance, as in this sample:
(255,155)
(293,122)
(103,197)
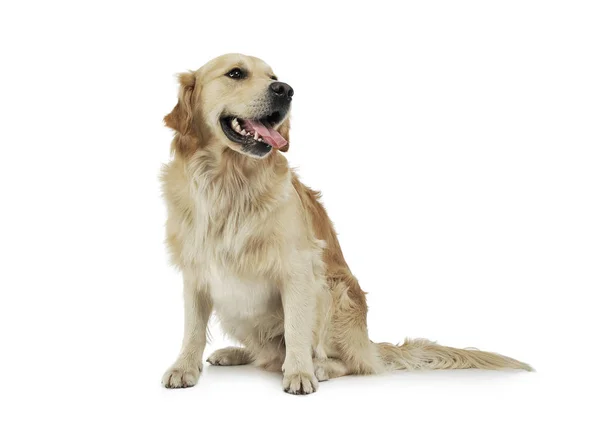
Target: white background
(457,147)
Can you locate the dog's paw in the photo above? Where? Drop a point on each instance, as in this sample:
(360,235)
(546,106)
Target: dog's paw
(230,356)
(321,373)
(181,377)
(300,383)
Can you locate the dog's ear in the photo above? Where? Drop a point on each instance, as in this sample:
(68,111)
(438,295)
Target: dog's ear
(181,117)
(284,130)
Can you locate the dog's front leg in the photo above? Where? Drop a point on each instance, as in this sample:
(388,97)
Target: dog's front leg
(299,299)
(198,307)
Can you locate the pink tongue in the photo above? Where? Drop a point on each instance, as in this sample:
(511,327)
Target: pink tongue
(269,135)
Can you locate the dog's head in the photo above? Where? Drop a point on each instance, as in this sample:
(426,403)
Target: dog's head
(236,102)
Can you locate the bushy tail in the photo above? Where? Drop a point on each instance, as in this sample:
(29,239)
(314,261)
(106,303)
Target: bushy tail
(425,354)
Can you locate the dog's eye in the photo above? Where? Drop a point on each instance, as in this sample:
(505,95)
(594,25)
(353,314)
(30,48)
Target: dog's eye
(236,74)
(273,77)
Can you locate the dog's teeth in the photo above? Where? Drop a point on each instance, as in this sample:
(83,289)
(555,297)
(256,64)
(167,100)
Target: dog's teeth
(235,121)
(243,132)
(255,136)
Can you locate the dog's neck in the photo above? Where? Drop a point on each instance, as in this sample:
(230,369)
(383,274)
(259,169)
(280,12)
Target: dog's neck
(233,181)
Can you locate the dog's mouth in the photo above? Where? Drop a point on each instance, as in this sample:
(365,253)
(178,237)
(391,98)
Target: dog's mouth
(254,131)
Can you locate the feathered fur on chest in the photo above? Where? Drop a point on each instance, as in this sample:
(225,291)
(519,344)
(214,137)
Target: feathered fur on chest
(226,214)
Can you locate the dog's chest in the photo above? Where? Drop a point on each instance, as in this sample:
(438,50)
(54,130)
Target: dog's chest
(236,295)
(236,298)
(224,243)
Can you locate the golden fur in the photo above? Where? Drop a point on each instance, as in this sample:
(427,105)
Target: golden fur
(256,247)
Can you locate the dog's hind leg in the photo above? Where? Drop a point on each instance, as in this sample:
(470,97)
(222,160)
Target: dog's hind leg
(326,369)
(270,354)
(230,356)
(348,328)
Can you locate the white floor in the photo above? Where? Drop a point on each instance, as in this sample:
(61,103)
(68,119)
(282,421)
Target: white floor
(130,393)
(113,374)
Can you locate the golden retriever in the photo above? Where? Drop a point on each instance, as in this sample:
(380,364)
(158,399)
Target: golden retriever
(256,247)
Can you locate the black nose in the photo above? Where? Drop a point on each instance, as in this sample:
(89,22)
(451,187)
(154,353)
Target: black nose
(282,90)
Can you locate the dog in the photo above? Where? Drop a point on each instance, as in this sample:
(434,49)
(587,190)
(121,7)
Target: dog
(256,247)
